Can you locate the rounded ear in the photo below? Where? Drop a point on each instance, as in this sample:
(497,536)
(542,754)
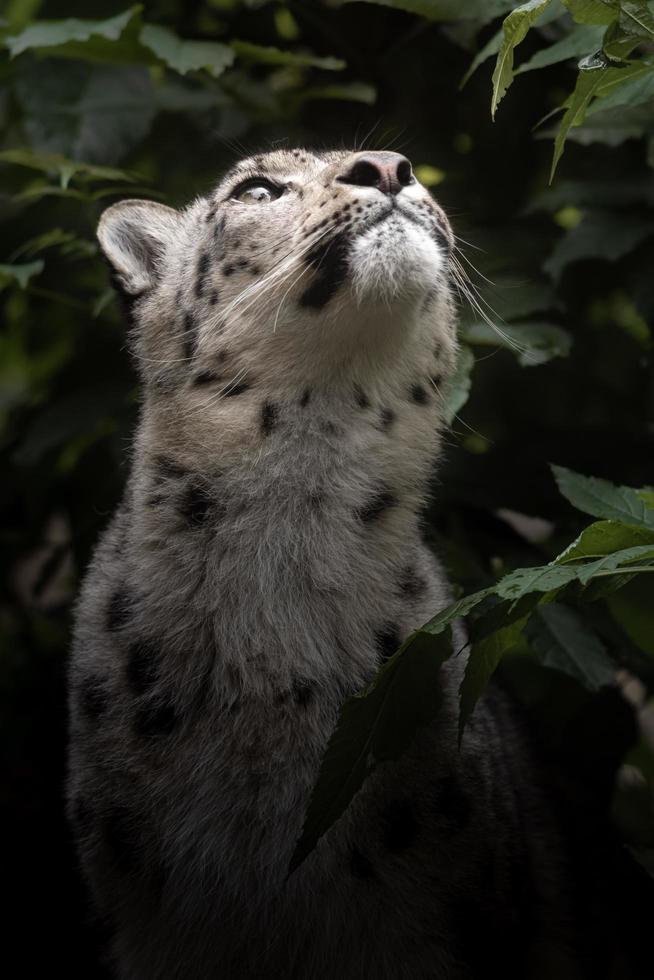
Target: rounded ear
(134,236)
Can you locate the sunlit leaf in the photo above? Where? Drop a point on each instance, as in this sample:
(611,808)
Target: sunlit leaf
(587,84)
(637,18)
(515,28)
(581,39)
(593,11)
(606,537)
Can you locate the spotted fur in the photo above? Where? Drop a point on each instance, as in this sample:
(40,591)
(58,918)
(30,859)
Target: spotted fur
(292,335)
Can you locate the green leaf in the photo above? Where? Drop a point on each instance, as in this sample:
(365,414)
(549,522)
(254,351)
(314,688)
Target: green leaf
(20,273)
(532,343)
(94,113)
(581,39)
(374,727)
(184,56)
(346,91)
(618,560)
(591,193)
(599,235)
(491,47)
(605,537)
(630,86)
(48,239)
(632,607)
(515,28)
(55,163)
(459,385)
(562,641)
(482,11)
(603,499)
(274,56)
(593,11)
(636,18)
(84,412)
(52,34)
(482,662)
(587,84)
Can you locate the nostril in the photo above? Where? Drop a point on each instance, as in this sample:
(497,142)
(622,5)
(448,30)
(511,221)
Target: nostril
(363,174)
(404,173)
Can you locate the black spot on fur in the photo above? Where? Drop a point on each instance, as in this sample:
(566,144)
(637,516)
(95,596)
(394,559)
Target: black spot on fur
(386,419)
(141,666)
(93,698)
(380,501)
(195,504)
(419,395)
(412,584)
(269,413)
(360,865)
(205,378)
(118,613)
(121,839)
(361,398)
(210,215)
(213,297)
(303,693)
(436,380)
(330,264)
(156,718)
(306,396)
(237,389)
(201,273)
(452,803)
(190,335)
(228,269)
(316,498)
(399,825)
(387,641)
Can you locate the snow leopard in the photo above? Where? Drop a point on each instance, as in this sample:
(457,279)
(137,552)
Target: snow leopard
(294,331)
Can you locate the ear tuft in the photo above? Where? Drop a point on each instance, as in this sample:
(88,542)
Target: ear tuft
(134,236)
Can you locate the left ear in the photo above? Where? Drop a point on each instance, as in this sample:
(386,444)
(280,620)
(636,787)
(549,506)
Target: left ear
(134,236)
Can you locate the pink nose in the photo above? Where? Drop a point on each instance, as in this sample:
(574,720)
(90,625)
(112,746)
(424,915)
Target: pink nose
(388,172)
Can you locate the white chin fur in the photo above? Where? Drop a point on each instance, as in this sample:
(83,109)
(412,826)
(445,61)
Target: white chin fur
(395,259)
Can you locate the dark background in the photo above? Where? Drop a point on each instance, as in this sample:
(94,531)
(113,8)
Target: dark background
(69,395)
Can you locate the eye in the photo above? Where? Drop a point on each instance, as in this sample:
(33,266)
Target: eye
(257,192)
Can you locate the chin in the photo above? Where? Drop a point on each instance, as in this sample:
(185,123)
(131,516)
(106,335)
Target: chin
(395,260)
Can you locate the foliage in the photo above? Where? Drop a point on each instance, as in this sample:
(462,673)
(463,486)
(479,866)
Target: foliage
(554,265)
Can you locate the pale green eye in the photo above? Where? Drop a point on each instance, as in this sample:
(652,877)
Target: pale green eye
(257,194)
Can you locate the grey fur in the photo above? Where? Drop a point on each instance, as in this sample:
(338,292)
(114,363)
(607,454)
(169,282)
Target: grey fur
(265,558)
